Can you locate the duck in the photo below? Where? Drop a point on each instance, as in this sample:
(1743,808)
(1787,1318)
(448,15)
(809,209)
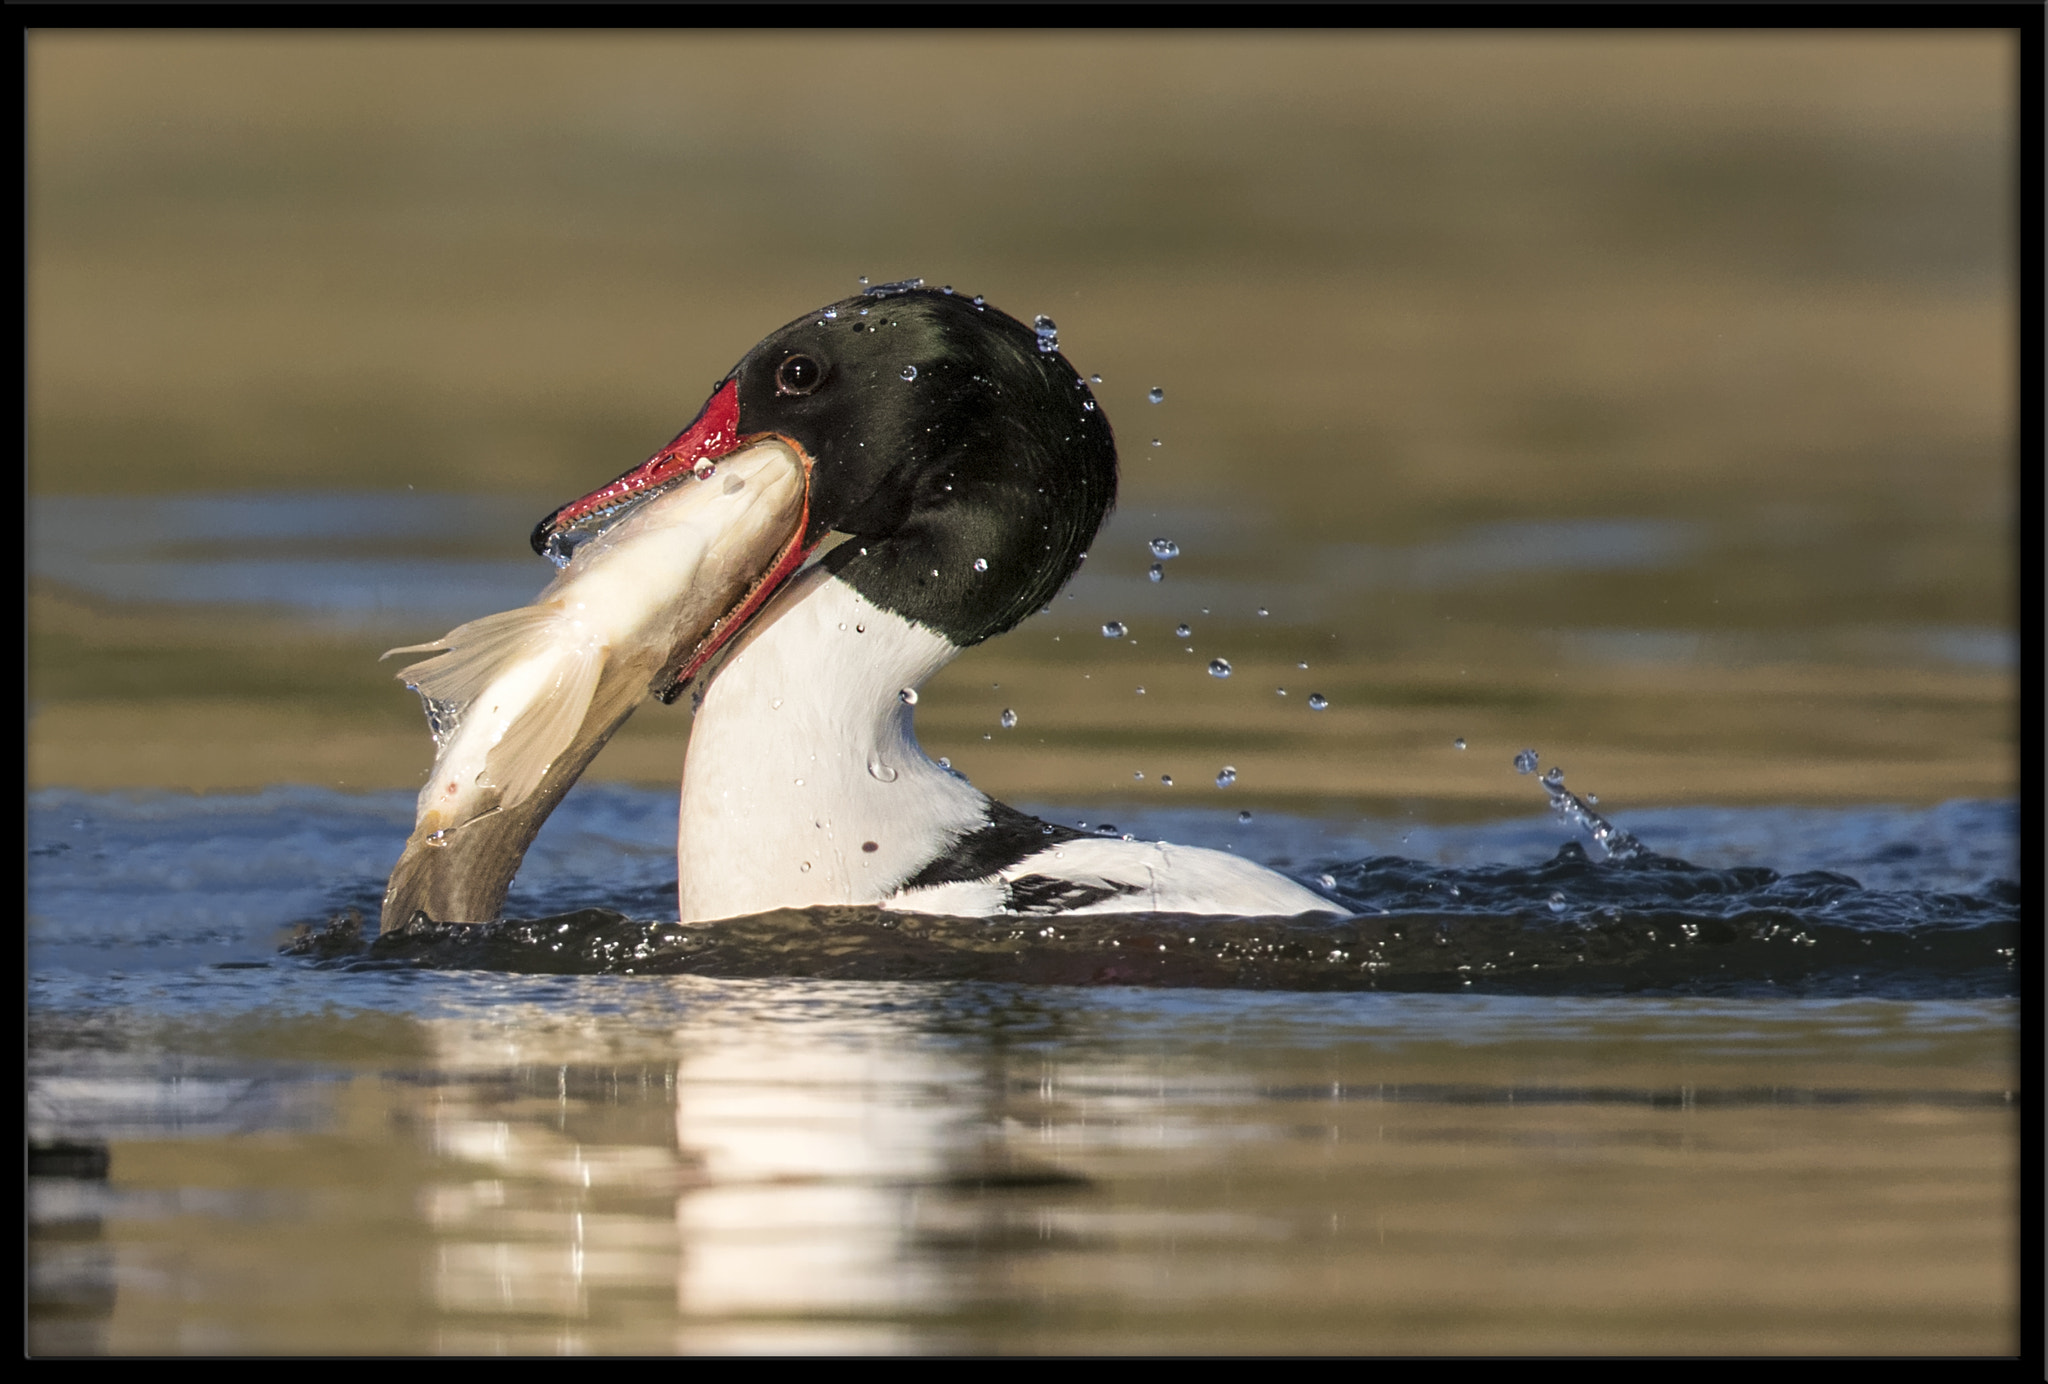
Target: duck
(955,469)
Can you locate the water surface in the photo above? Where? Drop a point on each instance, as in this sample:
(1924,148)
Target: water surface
(486,1148)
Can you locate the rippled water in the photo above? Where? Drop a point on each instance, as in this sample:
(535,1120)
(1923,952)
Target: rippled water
(1851,902)
(1111,1134)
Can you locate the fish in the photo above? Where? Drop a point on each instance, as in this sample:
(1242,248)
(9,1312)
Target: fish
(519,702)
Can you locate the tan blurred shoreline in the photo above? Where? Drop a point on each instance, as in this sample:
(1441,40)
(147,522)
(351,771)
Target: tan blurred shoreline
(321,710)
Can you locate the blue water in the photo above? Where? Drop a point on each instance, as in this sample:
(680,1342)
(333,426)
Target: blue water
(172,902)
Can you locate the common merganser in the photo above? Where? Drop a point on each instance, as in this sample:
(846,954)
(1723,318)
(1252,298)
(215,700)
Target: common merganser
(969,466)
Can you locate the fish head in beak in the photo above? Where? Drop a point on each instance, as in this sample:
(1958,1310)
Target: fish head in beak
(692,459)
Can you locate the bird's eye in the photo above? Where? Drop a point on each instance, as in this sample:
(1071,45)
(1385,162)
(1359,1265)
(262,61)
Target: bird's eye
(798,375)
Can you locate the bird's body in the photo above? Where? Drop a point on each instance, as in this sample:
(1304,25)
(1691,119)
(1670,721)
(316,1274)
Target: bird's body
(804,785)
(969,467)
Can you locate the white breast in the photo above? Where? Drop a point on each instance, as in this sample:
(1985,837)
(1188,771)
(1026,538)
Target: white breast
(803,784)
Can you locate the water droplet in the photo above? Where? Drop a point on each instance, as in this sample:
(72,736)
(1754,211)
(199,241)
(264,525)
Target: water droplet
(439,838)
(1281,690)
(1594,799)
(1302,666)
(1166,780)
(1554,777)
(945,763)
(884,773)
(1525,762)
(1104,829)
(910,372)
(1459,743)
(1182,631)
(862,281)
(1137,773)
(1557,903)
(775,705)
(1219,667)
(863,312)
(1318,702)
(1164,549)
(799,783)
(1226,776)
(1095,379)
(979,300)
(908,696)
(1155,442)
(831,312)
(704,470)
(1155,394)
(1141,691)
(1048,334)
(1113,629)
(981,564)
(1327,881)
(1243,817)
(804,868)
(1156,572)
(1008,718)
(1263,612)
(1087,406)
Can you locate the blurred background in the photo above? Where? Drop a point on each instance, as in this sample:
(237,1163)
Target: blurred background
(1648,400)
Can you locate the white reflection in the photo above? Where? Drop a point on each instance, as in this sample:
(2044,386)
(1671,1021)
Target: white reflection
(814,1153)
(541,1235)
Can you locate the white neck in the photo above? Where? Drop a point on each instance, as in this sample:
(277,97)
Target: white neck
(802,756)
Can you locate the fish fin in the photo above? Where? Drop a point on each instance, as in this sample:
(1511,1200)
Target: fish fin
(517,763)
(470,656)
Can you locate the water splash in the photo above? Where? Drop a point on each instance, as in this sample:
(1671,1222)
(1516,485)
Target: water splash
(444,718)
(1572,810)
